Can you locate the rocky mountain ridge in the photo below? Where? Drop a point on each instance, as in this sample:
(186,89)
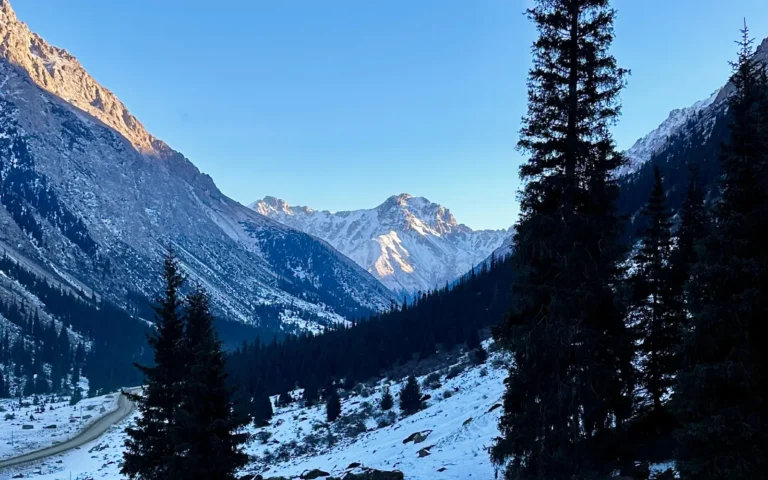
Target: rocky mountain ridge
(409,243)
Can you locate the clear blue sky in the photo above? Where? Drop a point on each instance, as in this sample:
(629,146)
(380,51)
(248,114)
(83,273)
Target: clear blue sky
(338,104)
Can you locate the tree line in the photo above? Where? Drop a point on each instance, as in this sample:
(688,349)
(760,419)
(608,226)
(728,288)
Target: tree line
(114,338)
(434,321)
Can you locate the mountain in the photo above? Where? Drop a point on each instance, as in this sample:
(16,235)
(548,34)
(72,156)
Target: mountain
(689,136)
(409,243)
(89,197)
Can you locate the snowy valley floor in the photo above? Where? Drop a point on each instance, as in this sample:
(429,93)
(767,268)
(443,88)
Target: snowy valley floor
(454,430)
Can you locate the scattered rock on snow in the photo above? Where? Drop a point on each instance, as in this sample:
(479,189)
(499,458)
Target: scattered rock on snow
(418,437)
(424,452)
(314,473)
(371,474)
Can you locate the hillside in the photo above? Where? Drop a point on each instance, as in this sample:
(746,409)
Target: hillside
(88,195)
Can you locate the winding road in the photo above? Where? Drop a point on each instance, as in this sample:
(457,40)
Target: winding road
(90,433)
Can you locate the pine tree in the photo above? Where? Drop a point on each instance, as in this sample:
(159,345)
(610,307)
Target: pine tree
(284,399)
(720,398)
(479,355)
(4,393)
(207,433)
(692,230)
(410,397)
(311,394)
(77,395)
(568,391)
(149,446)
(656,316)
(387,402)
(332,406)
(473,339)
(262,410)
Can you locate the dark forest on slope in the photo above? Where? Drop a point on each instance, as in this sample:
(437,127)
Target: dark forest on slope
(438,320)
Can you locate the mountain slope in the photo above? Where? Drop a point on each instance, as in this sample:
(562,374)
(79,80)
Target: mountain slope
(89,194)
(409,243)
(693,136)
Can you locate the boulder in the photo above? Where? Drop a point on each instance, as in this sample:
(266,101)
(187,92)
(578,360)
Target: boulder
(371,474)
(313,474)
(417,437)
(424,452)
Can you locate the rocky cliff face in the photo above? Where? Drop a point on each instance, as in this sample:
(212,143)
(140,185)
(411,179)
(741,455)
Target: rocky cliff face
(88,193)
(409,243)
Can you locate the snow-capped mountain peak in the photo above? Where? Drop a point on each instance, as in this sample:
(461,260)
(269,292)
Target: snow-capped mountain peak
(645,148)
(700,115)
(409,243)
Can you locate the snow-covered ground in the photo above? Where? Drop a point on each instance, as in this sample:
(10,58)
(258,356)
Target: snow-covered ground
(456,429)
(68,420)
(448,440)
(456,432)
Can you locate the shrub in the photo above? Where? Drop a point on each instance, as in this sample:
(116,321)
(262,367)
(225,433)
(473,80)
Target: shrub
(447,394)
(431,381)
(455,371)
(484,372)
(498,362)
(263,436)
(386,419)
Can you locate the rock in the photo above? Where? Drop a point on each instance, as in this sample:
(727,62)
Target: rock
(426,397)
(371,474)
(27,427)
(467,422)
(50,427)
(442,469)
(424,452)
(353,465)
(417,437)
(494,407)
(314,473)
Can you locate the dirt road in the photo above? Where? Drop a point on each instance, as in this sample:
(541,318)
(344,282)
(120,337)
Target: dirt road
(90,433)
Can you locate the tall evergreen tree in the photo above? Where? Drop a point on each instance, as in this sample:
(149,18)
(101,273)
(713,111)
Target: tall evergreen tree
(657,315)
(4,392)
(720,397)
(568,391)
(262,410)
(332,406)
(410,397)
(387,402)
(207,434)
(149,446)
(691,231)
